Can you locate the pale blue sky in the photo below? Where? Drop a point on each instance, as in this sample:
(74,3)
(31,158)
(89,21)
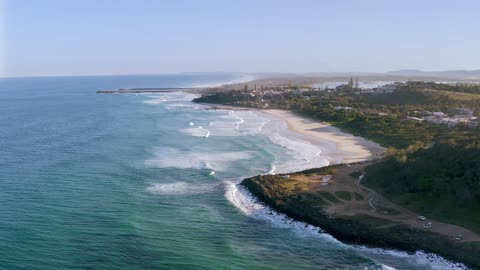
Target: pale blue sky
(83,37)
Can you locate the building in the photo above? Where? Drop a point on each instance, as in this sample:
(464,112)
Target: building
(415,119)
(345,108)
(462,118)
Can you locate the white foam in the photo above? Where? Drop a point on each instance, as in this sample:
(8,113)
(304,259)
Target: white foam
(240,121)
(232,123)
(179,188)
(178,105)
(169,157)
(250,206)
(262,124)
(172,100)
(197,132)
(155,101)
(272,169)
(305,155)
(420,258)
(206,132)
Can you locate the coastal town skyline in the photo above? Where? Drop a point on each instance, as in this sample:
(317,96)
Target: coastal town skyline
(56,38)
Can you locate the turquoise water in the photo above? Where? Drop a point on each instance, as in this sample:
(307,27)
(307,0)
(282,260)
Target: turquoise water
(90,181)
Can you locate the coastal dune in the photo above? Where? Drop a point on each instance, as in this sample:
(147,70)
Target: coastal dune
(343,147)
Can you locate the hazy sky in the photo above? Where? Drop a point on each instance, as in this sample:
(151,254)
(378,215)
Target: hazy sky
(63,37)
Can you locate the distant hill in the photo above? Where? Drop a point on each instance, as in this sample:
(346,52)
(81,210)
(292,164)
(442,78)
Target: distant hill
(275,79)
(463,74)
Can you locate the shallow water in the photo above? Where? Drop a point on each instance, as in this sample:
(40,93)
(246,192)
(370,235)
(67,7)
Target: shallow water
(91,181)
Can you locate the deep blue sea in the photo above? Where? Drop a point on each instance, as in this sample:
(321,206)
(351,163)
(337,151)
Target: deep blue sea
(149,181)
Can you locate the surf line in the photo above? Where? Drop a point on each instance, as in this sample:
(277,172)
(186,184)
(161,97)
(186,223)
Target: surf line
(207,134)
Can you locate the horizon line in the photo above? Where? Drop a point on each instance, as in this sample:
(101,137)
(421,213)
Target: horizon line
(248,72)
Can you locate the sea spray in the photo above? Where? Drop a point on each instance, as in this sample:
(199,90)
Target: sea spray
(180,188)
(242,199)
(166,157)
(206,133)
(304,155)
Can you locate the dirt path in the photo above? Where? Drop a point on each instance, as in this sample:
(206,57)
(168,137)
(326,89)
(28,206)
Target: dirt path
(376,205)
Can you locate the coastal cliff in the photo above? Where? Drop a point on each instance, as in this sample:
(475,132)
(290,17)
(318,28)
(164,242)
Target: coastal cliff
(315,197)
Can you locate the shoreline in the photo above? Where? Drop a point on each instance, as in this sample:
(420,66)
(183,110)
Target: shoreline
(360,230)
(338,146)
(352,226)
(347,148)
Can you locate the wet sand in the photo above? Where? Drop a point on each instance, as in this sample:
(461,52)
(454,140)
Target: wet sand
(346,148)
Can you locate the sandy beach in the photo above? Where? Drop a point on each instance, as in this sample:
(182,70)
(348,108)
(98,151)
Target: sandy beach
(353,149)
(347,148)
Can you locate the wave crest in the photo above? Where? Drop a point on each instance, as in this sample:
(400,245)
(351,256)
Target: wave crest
(250,206)
(168,157)
(179,188)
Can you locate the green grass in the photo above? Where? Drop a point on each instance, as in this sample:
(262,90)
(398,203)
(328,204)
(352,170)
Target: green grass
(312,199)
(322,171)
(289,184)
(371,221)
(344,195)
(445,209)
(388,211)
(356,174)
(358,197)
(454,95)
(328,196)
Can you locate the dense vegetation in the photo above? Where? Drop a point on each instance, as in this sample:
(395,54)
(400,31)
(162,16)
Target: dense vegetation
(459,87)
(291,198)
(378,117)
(429,168)
(441,182)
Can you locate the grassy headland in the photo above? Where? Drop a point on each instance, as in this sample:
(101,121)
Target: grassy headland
(430,168)
(380,117)
(343,209)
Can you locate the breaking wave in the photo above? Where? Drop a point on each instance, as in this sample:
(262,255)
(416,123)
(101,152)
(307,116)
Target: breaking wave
(250,206)
(179,188)
(170,157)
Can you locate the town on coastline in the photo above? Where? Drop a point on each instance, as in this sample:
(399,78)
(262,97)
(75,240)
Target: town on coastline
(456,116)
(422,193)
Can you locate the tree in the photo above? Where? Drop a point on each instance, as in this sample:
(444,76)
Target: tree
(356,84)
(245,87)
(350,83)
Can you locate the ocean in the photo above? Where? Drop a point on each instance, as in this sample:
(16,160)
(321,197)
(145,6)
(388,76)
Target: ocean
(150,181)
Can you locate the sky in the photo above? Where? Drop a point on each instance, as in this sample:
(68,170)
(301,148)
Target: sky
(98,37)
